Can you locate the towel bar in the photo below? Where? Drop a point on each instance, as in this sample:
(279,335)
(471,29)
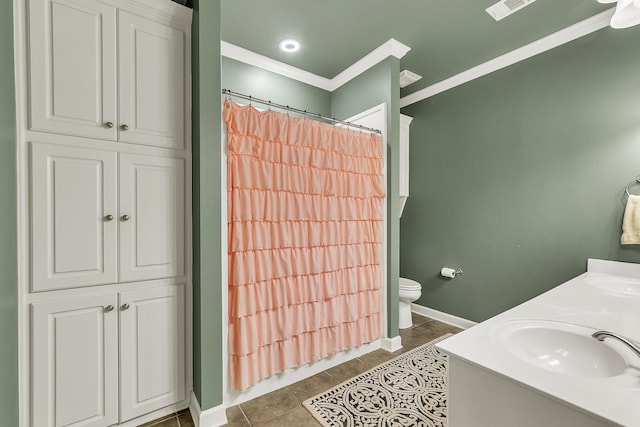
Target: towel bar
(636,181)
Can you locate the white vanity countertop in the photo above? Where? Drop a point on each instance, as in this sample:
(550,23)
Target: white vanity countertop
(580,301)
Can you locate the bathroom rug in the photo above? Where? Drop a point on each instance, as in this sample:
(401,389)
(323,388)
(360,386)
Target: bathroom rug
(409,390)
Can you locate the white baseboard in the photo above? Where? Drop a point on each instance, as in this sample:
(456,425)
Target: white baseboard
(290,376)
(391,344)
(213,417)
(442,317)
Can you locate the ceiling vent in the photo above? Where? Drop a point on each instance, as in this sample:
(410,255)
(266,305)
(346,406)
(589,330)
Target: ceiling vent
(407,77)
(504,8)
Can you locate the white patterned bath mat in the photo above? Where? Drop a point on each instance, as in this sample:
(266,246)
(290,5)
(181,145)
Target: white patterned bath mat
(410,390)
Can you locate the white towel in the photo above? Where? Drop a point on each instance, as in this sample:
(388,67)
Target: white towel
(631,222)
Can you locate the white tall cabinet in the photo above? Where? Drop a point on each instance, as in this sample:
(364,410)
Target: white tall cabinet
(105,178)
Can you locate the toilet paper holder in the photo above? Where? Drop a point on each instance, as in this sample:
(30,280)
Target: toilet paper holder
(450,273)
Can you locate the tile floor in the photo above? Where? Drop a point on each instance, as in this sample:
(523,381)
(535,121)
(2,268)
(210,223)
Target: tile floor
(284,407)
(179,419)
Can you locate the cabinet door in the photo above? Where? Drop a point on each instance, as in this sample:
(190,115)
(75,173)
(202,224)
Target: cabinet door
(151,217)
(152,371)
(75,362)
(152,82)
(72,64)
(73,241)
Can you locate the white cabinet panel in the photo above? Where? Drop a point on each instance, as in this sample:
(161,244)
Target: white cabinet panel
(152,371)
(152,235)
(73,67)
(405,122)
(152,58)
(73,242)
(75,362)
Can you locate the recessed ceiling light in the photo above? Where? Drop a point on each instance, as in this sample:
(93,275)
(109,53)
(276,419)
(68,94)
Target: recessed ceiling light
(289,45)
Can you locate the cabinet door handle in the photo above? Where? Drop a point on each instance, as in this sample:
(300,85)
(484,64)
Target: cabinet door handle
(124,127)
(124,218)
(108,218)
(124,306)
(108,308)
(108,125)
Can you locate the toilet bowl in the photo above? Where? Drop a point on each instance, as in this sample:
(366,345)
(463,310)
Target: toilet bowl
(409,291)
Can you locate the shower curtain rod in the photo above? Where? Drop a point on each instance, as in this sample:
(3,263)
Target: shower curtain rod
(296,110)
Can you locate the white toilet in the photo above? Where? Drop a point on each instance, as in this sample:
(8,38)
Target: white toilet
(409,290)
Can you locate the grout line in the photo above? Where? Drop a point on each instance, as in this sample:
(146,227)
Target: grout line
(178,421)
(159,420)
(285,413)
(244,415)
(294,395)
(332,377)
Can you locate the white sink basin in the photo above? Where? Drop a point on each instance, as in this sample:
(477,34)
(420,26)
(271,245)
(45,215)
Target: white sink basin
(616,285)
(562,348)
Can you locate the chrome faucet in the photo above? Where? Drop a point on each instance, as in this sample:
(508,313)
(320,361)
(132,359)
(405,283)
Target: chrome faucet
(601,335)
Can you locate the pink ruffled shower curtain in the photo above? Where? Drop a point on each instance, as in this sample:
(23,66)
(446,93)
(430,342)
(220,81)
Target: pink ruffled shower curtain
(305,241)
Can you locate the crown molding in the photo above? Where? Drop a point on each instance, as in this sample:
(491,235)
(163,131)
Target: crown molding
(249,57)
(394,48)
(168,12)
(566,35)
(391,47)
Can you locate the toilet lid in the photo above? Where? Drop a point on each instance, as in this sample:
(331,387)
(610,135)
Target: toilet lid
(409,284)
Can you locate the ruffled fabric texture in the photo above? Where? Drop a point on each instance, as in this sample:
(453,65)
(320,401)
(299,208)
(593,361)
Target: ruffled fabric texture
(305,241)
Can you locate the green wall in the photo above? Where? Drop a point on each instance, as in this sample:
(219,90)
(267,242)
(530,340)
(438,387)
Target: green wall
(207,249)
(518,177)
(254,81)
(210,74)
(8,249)
(380,85)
